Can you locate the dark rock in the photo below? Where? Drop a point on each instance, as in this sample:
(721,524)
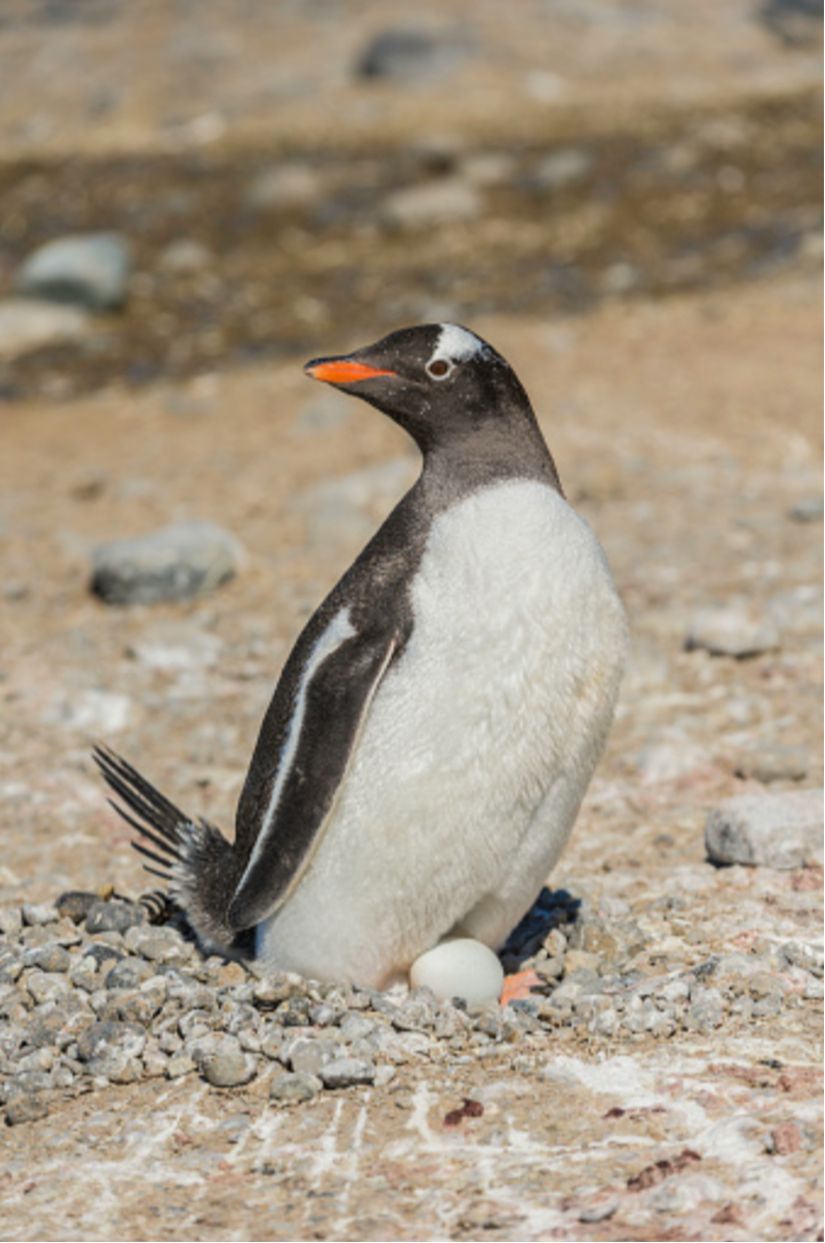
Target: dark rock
(113,916)
(344,1072)
(90,270)
(809,509)
(175,563)
(409,55)
(102,953)
(129,973)
(75,904)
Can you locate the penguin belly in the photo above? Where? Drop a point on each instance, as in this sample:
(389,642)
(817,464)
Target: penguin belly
(479,745)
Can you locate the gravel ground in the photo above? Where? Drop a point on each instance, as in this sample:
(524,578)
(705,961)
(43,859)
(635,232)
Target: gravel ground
(664,1082)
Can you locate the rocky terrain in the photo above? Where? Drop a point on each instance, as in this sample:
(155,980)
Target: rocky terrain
(638,233)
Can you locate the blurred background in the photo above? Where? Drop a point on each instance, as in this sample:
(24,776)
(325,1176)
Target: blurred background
(279,175)
(196,195)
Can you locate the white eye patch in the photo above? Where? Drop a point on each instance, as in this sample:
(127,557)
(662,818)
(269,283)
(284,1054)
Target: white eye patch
(454,345)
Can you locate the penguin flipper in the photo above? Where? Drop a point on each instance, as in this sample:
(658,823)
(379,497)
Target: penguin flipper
(286,813)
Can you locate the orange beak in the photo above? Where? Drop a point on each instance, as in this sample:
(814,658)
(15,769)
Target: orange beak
(339,371)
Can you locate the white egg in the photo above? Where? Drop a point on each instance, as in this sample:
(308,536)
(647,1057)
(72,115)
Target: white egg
(462,968)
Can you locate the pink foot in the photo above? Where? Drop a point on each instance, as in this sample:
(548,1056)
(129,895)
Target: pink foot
(517,987)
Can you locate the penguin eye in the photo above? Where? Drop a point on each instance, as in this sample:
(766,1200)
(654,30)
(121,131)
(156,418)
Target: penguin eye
(439,369)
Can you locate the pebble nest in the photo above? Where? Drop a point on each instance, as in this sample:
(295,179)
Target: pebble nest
(97,990)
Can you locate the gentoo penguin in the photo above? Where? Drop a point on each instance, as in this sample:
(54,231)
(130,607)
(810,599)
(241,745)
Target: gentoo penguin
(434,729)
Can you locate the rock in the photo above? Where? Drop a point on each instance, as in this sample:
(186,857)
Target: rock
(768,830)
(311,1055)
(30,325)
(93,711)
(90,270)
(732,630)
(185,256)
(157,944)
(562,168)
(344,1072)
(808,509)
(26,1108)
(38,914)
(174,563)
(128,973)
(75,905)
(51,957)
(284,188)
(489,168)
(11,921)
(222,1061)
(290,1088)
(406,54)
(773,763)
(109,1048)
(448,201)
(113,916)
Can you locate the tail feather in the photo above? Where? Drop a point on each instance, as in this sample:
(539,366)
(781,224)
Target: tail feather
(198,862)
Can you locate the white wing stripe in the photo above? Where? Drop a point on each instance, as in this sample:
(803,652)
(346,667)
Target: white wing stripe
(337,632)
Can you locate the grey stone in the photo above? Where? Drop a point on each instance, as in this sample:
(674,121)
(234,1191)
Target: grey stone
(111,1049)
(562,168)
(283,188)
(773,763)
(707,1009)
(90,270)
(37,915)
(222,1062)
(26,1108)
(174,563)
(185,256)
(407,54)
(448,201)
(808,509)
(48,958)
(44,986)
(11,921)
(27,325)
(293,1087)
(734,629)
(128,973)
(113,916)
(599,1212)
(157,944)
(769,830)
(311,1055)
(343,1072)
(179,1065)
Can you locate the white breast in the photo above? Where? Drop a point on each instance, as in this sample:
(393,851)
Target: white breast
(478,747)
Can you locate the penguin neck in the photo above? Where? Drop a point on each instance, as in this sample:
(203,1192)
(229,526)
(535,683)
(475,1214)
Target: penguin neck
(462,463)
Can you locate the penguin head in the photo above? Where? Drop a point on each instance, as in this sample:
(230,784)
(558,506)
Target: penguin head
(440,382)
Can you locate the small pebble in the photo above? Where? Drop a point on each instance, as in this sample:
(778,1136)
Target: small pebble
(292,1087)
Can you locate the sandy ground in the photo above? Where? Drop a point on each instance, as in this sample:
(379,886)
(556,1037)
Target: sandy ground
(685,431)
